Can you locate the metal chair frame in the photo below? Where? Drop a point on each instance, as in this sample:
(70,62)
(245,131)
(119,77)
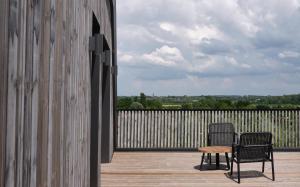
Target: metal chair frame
(253,147)
(220,134)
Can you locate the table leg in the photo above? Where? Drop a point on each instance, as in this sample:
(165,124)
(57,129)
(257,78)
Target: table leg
(227,161)
(217,160)
(203,155)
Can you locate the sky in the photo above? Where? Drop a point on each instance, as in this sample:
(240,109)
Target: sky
(208,47)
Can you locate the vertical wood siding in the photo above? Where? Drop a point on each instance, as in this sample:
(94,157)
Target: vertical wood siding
(3,84)
(187,129)
(45,90)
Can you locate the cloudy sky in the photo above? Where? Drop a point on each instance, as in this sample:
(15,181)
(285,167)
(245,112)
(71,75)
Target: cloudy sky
(208,47)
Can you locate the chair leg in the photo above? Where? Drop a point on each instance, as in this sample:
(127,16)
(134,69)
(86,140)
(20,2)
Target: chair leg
(217,160)
(238,168)
(263,166)
(273,173)
(203,155)
(231,168)
(227,161)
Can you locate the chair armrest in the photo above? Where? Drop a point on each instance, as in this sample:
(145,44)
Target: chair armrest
(255,146)
(235,147)
(270,147)
(208,139)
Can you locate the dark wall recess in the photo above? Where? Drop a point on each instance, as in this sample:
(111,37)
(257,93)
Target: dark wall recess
(107,112)
(95,45)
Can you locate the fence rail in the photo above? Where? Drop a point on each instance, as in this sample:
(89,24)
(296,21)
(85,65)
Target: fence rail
(187,129)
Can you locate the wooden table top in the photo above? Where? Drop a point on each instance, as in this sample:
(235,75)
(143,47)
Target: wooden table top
(215,149)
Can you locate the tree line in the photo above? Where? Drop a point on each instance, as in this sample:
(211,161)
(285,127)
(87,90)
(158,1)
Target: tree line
(209,102)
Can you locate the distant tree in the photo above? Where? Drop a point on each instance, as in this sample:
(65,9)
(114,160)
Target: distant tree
(251,106)
(197,105)
(154,104)
(223,104)
(242,104)
(136,105)
(124,103)
(205,103)
(187,106)
(262,107)
(143,99)
(209,102)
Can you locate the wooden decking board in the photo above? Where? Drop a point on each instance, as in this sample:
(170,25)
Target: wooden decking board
(180,169)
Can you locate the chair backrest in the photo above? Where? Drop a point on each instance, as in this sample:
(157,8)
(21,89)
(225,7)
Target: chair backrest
(255,146)
(220,134)
(256,138)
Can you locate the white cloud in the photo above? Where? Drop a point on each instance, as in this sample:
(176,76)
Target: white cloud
(131,34)
(289,54)
(198,33)
(246,66)
(125,58)
(232,61)
(193,34)
(167,27)
(165,56)
(204,65)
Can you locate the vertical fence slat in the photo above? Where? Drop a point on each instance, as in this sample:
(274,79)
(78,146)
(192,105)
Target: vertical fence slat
(119,114)
(126,139)
(178,129)
(158,133)
(276,129)
(298,125)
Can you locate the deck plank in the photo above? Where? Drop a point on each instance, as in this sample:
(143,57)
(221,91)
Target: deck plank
(181,169)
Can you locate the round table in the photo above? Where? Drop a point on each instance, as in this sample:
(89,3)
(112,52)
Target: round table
(217,150)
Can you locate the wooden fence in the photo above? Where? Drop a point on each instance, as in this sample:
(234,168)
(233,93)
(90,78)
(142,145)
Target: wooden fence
(187,129)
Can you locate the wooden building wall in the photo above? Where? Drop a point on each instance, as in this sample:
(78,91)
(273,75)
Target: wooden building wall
(45,89)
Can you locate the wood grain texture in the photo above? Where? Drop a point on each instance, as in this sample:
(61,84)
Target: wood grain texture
(215,149)
(13,83)
(45,90)
(182,169)
(4,7)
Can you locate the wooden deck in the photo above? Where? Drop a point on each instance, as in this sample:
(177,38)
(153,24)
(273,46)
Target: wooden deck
(181,169)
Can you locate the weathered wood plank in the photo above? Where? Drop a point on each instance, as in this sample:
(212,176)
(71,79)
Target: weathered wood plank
(4,13)
(43,100)
(55,87)
(36,45)
(12,86)
(27,140)
(21,92)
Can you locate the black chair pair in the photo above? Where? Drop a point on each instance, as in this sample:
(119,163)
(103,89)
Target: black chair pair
(250,147)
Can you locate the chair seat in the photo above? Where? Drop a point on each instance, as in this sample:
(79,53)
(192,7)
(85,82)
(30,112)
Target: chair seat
(252,160)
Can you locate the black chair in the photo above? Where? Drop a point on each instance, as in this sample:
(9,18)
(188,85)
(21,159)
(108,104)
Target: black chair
(220,134)
(253,147)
